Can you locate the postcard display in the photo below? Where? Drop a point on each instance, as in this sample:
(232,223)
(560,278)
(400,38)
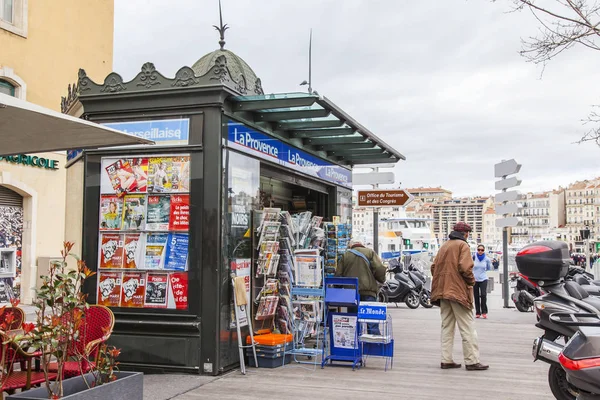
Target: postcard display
(289,274)
(143,237)
(338,236)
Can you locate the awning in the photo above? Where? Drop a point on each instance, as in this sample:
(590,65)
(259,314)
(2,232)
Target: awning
(29,128)
(319,124)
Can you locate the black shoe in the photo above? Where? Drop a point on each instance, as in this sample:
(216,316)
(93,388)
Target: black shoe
(477,367)
(449,365)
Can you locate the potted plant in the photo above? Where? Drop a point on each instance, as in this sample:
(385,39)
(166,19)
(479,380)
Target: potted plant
(61,311)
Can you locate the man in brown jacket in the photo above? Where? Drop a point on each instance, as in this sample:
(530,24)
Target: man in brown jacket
(452,290)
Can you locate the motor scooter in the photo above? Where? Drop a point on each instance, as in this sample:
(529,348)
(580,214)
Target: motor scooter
(525,291)
(400,288)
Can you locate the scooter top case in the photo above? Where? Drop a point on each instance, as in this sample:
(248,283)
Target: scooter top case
(544,261)
(581,359)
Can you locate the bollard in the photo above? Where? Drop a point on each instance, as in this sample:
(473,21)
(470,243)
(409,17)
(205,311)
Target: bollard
(490,286)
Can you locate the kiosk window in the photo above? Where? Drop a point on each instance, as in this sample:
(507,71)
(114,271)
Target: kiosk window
(143,238)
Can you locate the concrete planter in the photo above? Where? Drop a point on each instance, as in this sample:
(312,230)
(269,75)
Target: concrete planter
(128,386)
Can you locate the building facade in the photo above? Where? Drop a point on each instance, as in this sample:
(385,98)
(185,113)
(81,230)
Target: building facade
(42,45)
(467,209)
(492,235)
(582,210)
(541,214)
(430,194)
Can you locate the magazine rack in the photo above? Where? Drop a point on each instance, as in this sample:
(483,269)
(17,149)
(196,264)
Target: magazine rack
(378,344)
(342,329)
(306,322)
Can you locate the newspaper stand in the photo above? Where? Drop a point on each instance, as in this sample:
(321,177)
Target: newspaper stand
(380,344)
(342,328)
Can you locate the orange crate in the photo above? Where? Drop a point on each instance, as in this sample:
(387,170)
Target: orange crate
(270,339)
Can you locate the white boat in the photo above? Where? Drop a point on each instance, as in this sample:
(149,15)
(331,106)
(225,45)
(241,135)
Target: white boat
(407,236)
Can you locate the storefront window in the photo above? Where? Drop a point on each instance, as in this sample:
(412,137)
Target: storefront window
(344,205)
(143,238)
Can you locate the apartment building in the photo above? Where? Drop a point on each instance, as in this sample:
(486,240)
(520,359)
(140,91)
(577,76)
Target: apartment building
(582,210)
(430,194)
(492,236)
(541,214)
(468,209)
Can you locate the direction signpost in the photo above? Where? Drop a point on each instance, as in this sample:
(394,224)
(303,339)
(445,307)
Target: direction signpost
(502,170)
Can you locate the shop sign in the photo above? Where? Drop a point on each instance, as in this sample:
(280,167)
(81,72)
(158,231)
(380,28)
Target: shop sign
(162,131)
(32,161)
(249,141)
(371,310)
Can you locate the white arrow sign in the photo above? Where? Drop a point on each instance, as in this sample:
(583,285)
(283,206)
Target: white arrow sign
(508,183)
(508,222)
(506,196)
(508,167)
(510,208)
(373,178)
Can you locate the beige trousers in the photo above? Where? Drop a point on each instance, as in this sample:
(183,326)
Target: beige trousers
(452,314)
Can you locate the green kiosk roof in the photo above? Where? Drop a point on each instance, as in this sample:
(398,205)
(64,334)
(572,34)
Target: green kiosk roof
(318,124)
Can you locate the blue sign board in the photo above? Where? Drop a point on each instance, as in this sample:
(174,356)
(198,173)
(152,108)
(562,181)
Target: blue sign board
(372,310)
(249,141)
(163,131)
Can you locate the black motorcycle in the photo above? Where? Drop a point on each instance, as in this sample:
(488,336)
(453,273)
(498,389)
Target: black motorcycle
(547,264)
(400,288)
(525,291)
(419,279)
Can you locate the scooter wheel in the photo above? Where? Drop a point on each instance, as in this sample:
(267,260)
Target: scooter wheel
(412,300)
(382,297)
(560,387)
(425,299)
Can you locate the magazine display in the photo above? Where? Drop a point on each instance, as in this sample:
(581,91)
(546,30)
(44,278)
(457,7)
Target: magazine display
(134,212)
(156,290)
(111,208)
(159,213)
(169,174)
(143,240)
(111,250)
(133,289)
(308,269)
(109,288)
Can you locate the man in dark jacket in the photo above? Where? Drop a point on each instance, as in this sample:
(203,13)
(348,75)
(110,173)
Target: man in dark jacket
(452,290)
(368,268)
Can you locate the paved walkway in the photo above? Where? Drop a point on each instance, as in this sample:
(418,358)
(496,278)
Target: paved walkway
(505,343)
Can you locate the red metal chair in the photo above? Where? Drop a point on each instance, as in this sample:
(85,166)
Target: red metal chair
(24,379)
(18,317)
(98,323)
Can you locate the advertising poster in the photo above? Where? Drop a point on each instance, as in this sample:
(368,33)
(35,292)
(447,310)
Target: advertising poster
(133,289)
(134,212)
(168,174)
(180,213)
(156,290)
(109,288)
(111,250)
(179,286)
(121,176)
(111,208)
(177,252)
(241,268)
(155,250)
(344,331)
(134,250)
(159,212)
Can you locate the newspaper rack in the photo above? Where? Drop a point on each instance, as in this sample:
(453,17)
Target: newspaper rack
(342,329)
(376,337)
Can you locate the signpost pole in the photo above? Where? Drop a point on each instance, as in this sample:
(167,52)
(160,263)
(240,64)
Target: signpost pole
(376,219)
(505,266)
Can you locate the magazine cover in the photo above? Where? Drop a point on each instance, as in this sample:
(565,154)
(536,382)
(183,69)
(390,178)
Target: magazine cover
(168,174)
(159,211)
(155,250)
(121,176)
(111,250)
(179,286)
(133,289)
(267,307)
(111,208)
(156,290)
(308,270)
(139,166)
(134,212)
(109,288)
(134,250)
(180,213)
(177,252)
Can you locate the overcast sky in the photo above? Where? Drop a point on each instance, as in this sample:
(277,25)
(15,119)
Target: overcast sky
(440,81)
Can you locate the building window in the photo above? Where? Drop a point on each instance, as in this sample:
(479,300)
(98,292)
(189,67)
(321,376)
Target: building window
(7,88)
(13,16)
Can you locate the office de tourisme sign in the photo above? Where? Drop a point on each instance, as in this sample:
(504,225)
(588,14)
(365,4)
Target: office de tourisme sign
(383,198)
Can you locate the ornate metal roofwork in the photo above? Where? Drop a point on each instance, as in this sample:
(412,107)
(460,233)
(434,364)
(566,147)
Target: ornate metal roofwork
(318,123)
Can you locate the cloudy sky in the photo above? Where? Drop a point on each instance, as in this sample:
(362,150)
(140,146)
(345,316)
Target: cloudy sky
(440,81)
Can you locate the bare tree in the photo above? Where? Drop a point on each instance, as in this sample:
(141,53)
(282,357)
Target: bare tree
(563,24)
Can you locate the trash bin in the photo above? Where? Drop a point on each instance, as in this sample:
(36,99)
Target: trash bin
(490,285)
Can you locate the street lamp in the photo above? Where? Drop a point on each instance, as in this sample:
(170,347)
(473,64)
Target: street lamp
(585,236)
